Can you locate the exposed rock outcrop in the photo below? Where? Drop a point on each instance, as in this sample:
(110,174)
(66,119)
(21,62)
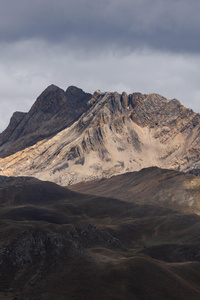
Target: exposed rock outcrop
(113,135)
(53,111)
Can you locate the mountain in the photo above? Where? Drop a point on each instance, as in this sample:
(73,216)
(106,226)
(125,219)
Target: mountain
(154,186)
(53,111)
(134,235)
(59,244)
(100,136)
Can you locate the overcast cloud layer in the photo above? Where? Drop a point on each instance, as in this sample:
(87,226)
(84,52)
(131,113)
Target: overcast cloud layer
(132,45)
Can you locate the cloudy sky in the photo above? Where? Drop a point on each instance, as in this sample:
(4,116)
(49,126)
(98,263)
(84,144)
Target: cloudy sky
(111,45)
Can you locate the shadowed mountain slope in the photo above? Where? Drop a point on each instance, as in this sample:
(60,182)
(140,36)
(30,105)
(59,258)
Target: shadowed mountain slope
(59,244)
(53,111)
(115,134)
(154,186)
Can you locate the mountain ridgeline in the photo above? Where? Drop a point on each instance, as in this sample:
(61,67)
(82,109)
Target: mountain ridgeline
(71,136)
(53,111)
(127,226)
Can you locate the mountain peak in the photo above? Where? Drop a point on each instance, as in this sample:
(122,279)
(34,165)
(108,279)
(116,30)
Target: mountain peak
(52,88)
(77,97)
(86,136)
(52,111)
(73,89)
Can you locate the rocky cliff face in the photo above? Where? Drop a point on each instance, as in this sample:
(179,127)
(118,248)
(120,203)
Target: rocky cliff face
(114,134)
(53,111)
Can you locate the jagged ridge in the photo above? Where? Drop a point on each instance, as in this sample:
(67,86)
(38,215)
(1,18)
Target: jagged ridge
(116,134)
(53,111)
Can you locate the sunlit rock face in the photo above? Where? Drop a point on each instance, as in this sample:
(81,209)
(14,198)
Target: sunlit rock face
(73,136)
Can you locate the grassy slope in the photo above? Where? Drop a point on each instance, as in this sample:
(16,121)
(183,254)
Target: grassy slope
(155,186)
(59,244)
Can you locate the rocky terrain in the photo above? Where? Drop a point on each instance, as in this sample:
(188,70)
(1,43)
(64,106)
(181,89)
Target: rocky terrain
(59,244)
(53,111)
(71,136)
(124,228)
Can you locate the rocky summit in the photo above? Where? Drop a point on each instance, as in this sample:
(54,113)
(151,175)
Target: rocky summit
(130,236)
(53,111)
(71,136)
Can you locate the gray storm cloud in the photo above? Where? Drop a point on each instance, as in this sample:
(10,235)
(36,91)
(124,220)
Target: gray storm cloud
(132,45)
(172,25)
